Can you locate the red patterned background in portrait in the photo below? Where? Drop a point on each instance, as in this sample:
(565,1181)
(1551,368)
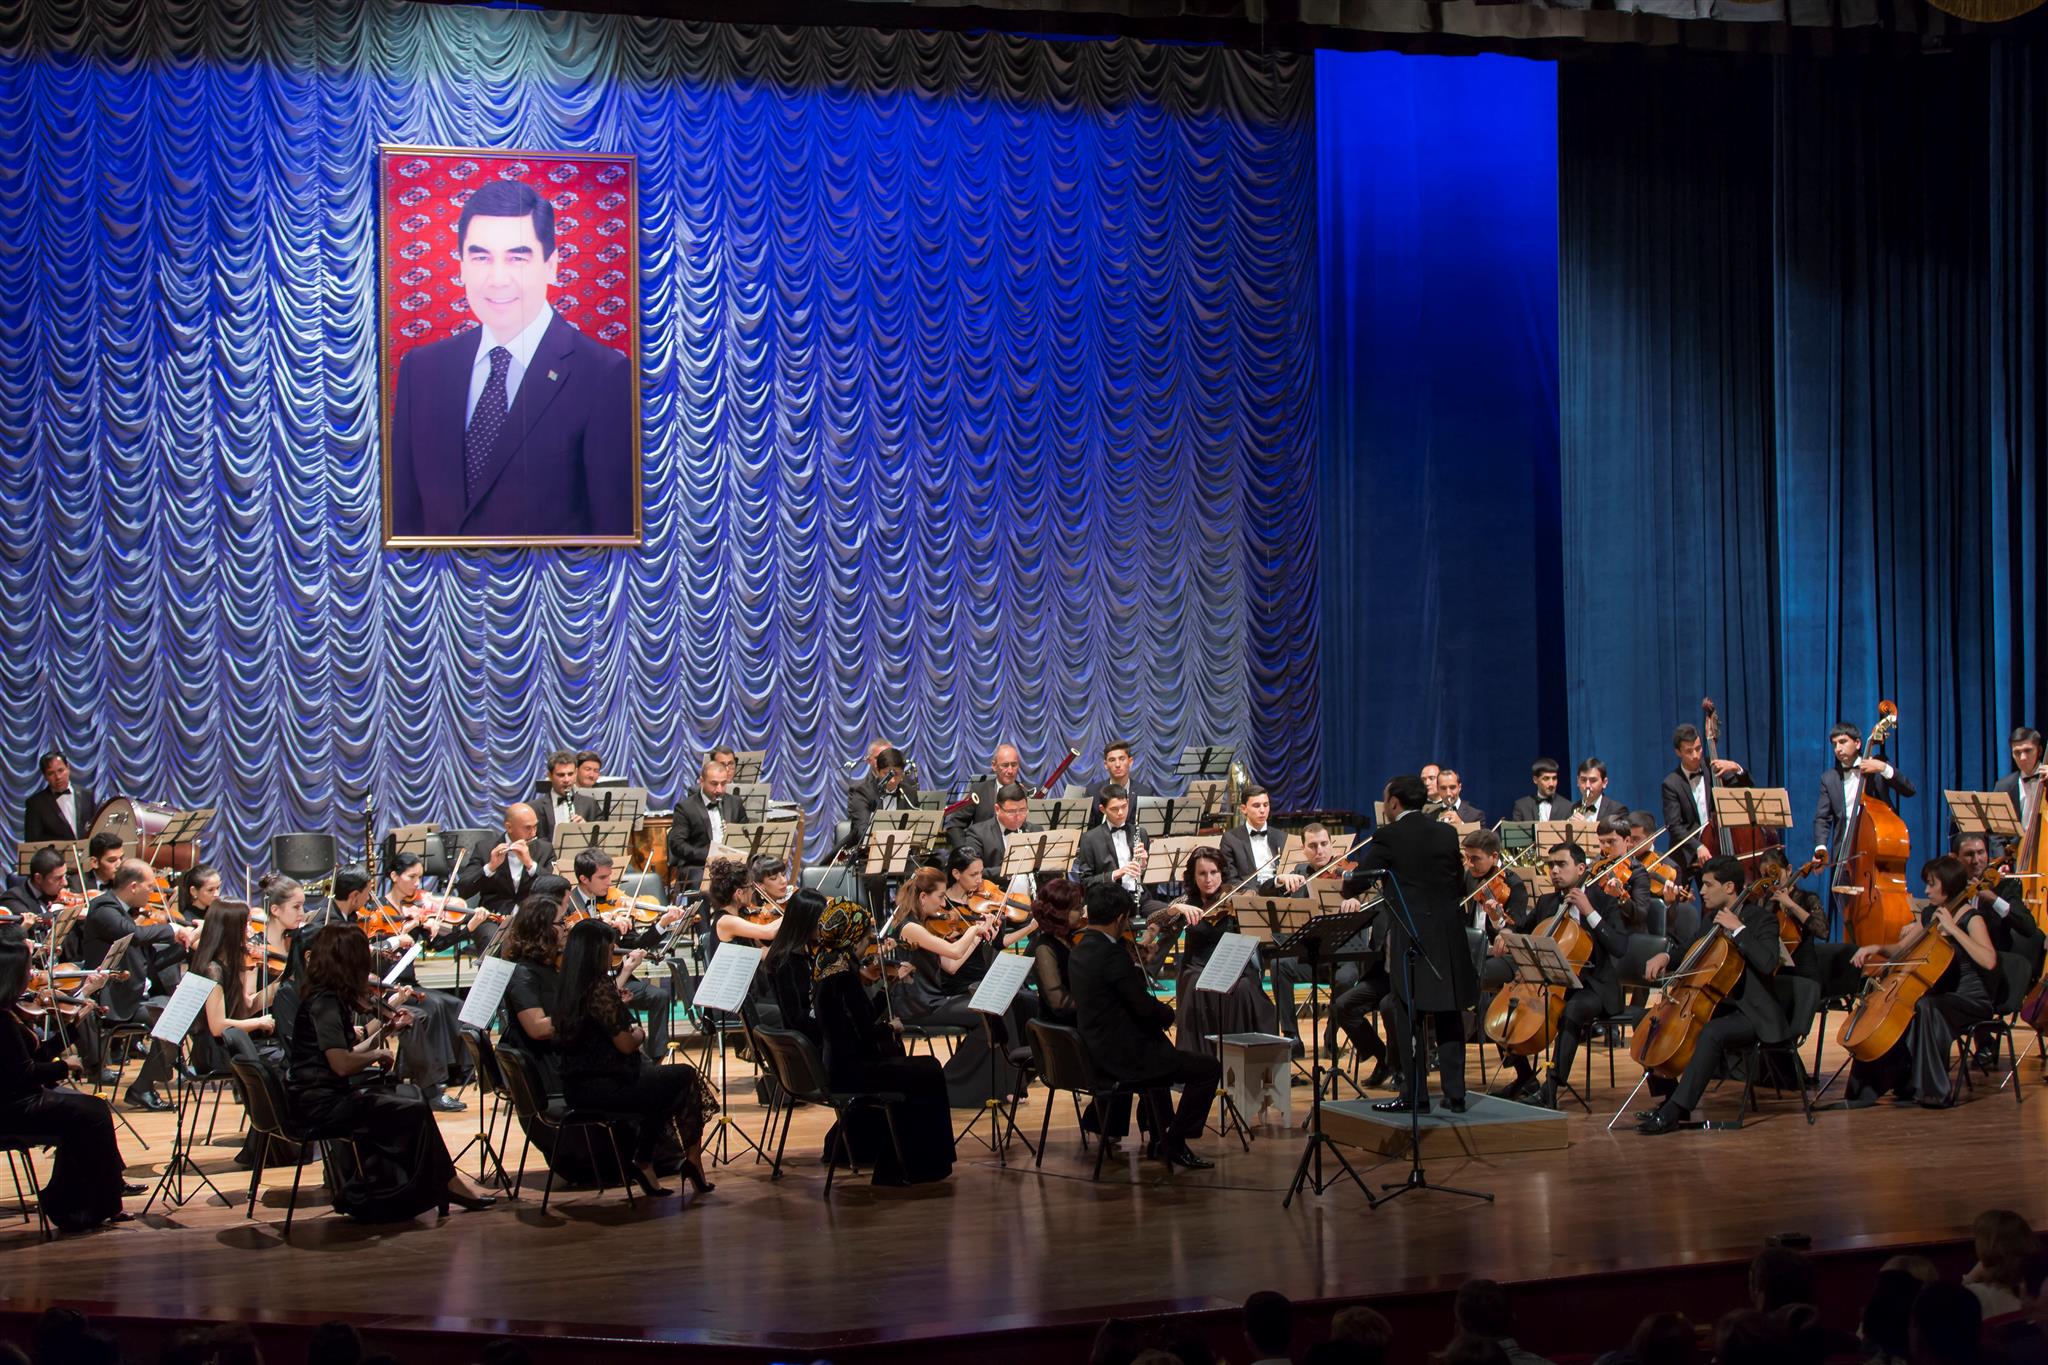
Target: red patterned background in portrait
(422,197)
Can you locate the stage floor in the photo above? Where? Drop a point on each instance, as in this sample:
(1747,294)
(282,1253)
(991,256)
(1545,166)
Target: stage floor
(761,1264)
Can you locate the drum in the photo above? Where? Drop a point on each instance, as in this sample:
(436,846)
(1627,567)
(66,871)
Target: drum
(138,823)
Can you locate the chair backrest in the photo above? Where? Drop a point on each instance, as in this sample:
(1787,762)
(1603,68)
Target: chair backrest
(484,1057)
(303,857)
(793,1062)
(2016,978)
(1800,996)
(1641,948)
(1061,1057)
(834,883)
(522,1086)
(1657,920)
(263,1095)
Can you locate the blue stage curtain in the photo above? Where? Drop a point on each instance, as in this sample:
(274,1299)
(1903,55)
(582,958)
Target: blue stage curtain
(1442,636)
(1880,534)
(978,390)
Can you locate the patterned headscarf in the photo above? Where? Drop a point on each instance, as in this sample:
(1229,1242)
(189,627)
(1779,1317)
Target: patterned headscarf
(841,938)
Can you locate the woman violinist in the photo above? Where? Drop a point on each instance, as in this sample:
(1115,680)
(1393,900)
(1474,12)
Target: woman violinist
(1917,1066)
(832,943)
(433,1048)
(85,1187)
(239,1009)
(604,1068)
(405,1169)
(438,921)
(948,957)
(198,889)
(1206,918)
(972,896)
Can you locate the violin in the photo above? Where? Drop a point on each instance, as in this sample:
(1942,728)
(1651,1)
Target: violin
(41,997)
(1663,879)
(1492,895)
(1014,911)
(953,921)
(1615,884)
(388,920)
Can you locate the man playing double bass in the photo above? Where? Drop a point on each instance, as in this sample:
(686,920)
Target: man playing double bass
(1846,782)
(1685,793)
(1421,856)
(1749,1014)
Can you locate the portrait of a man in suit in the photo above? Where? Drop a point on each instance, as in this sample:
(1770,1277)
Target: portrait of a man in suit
(520,428)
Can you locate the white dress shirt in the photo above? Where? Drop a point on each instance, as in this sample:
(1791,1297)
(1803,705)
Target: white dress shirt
(522,347)
(67,802)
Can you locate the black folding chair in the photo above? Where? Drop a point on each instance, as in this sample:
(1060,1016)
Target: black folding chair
(794,1063)
(21,1149)
(1064,1064)
(272,1115)
(531,1103)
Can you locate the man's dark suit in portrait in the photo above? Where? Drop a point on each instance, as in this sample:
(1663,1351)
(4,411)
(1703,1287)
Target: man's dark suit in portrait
(520,427)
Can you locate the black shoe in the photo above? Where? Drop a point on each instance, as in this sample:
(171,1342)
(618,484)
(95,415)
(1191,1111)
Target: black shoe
(1377,1077)
(1546,1094)
(445,1103)
(1177,1154)
(1455,1103)
(1399,1105)
(129,1189)
(649,1188)
(471,1203)
(1296,1049)
(1521,1088)
(1659,1121)
(110,1075)
(691,1173)
(146,1099)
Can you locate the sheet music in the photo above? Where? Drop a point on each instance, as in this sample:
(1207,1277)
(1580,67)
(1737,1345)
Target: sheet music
(725,981)
(182,1010)
(487,992)
(412,955)
(1006,976)
(1227,963)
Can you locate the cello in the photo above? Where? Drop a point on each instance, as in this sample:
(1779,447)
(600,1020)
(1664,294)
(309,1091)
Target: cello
(1870,869)
(1899,980)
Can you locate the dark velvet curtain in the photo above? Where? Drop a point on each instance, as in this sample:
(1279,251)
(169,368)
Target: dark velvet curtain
(1802,350)
(1437,231)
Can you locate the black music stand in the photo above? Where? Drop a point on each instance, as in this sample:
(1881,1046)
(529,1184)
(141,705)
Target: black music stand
(1538,961)
(1323,936)
(1061,812)
(1205,760)
(1397,905)
(1170,817)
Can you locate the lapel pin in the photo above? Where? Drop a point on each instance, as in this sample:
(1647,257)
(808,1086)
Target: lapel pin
(553,375)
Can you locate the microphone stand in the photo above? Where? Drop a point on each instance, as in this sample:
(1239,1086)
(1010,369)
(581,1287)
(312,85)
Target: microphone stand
(1418,1074)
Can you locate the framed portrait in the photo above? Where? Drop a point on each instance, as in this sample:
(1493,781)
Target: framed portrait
(508,347)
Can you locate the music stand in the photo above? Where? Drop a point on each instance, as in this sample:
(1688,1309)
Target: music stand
(1167,859)
(1515,836)
(1212,792)
(1028,853)
(73,852)
(746,842)
(1061,812)
(1313,939)
(1170,817)
(1550,833)
(1991,814)
(1538,961)
(896,839)
(1205,760)
(1752,808)
(181,827)
(746,764)
(611,836)
(620,802)
(1396,904)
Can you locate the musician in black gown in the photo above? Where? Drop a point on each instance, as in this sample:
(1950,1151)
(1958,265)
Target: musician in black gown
(85,1185)
(830,941)
(945,973)
(1917,1066)
(604,1068)
(405,1169)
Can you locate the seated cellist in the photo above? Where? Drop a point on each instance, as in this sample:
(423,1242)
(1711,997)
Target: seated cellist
(1600,992)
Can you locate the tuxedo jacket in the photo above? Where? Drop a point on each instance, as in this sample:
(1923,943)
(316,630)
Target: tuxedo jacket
(106,921)
(1602,972)
(1095,860)
(1758,944)
(1120,1021)
(1832,814)
(1238,862)
(42,819)
(979,811)
(1525,809)
(494,891)
(865,797)
(1682,816)
(1136,787)
(1421,854)
(990,841)
(689,837)
(2010,785)
(544,812)
(562,464)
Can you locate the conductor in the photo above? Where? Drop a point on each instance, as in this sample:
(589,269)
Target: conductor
(1422,857)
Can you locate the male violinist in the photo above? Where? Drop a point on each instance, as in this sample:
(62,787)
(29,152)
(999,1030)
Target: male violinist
(1842,785)
(104,855)
(1252,849)
(1116,762)
(1492,917)
(1545,803)
(61,810)
(1599,991)
(2006,915)
(1289,972)
(1685,793)
(1750,1013)
(33,902)
(1638,905)
(109,918)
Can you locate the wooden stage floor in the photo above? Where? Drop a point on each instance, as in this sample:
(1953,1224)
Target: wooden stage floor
(761,1264)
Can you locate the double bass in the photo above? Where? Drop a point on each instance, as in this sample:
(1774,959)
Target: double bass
(1715,842)
(1870,865)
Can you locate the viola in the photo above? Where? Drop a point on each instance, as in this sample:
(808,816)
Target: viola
(387,920)
(1664,879)
(1492,896)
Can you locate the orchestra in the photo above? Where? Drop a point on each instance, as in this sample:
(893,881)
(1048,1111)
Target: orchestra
(1738,939)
